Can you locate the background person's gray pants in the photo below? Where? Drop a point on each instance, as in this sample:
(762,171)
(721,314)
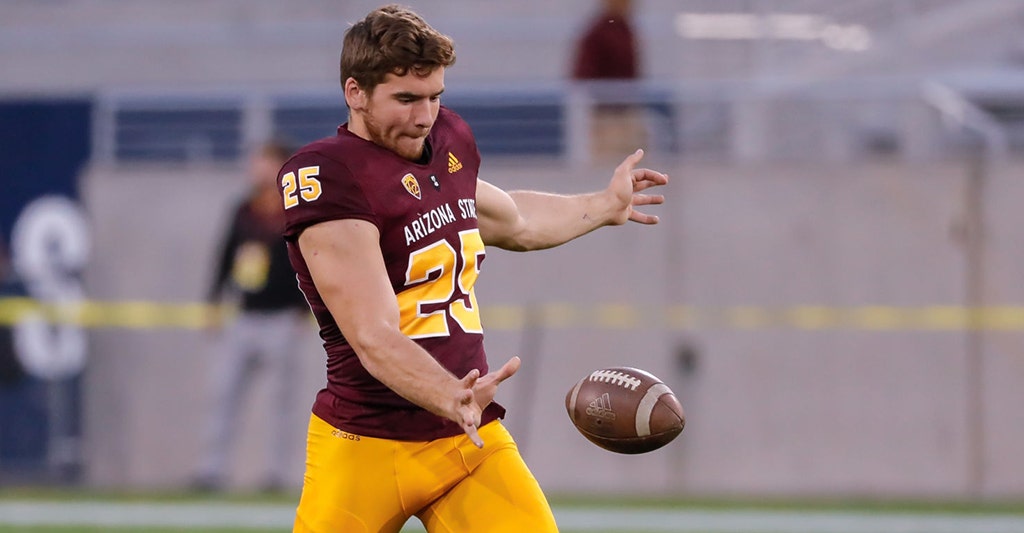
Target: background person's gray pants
(254,341)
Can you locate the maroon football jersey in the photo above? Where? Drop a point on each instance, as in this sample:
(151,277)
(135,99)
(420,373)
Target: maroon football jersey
(426,216)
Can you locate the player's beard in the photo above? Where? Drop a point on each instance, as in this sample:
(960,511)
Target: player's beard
(406,146)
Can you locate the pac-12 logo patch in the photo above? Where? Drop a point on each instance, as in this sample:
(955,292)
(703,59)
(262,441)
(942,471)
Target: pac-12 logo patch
(411,185)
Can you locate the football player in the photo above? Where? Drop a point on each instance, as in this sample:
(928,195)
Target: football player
(386,225)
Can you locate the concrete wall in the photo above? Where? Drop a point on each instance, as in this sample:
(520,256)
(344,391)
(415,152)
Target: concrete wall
(155,235)
(82,45)
(795,384)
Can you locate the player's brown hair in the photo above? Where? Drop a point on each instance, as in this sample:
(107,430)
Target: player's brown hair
(392,40)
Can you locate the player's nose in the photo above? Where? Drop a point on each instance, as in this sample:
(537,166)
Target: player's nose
(423,114)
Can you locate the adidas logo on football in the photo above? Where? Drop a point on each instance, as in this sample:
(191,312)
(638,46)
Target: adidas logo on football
(454,165)
(601,407)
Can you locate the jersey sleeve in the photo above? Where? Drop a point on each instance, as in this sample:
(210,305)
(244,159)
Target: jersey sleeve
(315,189)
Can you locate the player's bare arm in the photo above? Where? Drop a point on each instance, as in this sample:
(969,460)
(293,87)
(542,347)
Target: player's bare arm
(345,262)
(529,220)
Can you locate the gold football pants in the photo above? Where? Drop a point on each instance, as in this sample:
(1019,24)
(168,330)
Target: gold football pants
(357,484)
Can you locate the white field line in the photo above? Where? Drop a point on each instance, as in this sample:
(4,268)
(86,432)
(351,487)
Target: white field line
(213,515)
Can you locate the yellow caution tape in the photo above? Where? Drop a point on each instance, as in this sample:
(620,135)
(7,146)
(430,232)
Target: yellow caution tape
(553,315)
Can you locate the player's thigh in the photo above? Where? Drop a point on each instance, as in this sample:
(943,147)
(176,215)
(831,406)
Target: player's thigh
(349,484)
(500,496)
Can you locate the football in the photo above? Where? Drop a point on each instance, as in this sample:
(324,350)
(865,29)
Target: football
(625,410)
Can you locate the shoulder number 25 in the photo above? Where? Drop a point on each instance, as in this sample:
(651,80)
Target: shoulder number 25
(306,186)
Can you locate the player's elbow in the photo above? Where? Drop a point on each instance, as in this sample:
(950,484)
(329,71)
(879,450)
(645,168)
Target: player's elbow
(528,241)
(513,245)
(523,239)
(372,344)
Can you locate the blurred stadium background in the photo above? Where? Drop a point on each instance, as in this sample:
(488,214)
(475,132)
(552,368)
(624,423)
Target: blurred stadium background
(835,292)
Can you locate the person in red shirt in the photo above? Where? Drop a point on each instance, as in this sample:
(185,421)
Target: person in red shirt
(608,51)
(386,224)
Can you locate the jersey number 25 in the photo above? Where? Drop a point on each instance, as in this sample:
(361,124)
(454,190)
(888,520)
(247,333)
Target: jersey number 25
(306,186)
(414,303)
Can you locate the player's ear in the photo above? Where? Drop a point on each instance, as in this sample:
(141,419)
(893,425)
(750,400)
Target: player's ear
(355,96)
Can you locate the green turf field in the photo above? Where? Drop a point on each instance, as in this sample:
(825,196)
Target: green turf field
(49,511)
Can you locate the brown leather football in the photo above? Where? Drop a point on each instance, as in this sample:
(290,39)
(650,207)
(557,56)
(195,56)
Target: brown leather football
(625,410)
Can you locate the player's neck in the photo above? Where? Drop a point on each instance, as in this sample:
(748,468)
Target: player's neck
(425,155)
(357,127)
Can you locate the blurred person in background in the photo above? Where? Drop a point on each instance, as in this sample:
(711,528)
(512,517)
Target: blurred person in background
(608,51)
(271,314)
(386,225)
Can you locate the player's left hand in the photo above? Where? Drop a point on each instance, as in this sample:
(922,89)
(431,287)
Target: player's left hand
(626,184)
(487,386)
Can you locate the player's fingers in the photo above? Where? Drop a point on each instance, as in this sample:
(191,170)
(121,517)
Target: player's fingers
(647,174)
(470,379)
(630,161)
(648,199)
(648,179)
(508,369)
(466,396)
(651,175)
(473,434)
(643,218)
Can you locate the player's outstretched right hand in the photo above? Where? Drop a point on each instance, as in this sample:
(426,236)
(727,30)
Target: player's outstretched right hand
(625,187)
